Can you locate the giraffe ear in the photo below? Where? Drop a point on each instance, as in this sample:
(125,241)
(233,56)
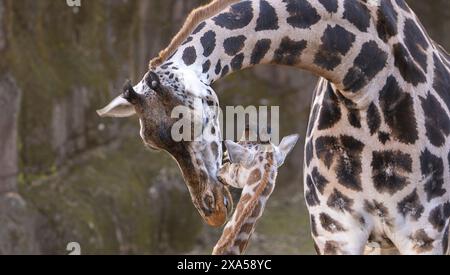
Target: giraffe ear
(119,107)
(285,147)
(236,152)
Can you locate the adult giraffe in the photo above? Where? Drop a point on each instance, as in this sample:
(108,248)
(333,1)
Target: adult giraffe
(377,151)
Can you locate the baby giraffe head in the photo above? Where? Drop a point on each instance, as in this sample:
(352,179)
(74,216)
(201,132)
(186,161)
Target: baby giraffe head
(179,114)
(248,160)
(253,167)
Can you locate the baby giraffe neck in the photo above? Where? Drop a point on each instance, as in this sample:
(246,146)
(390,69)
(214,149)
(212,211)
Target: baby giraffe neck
(250,208)
(319,36)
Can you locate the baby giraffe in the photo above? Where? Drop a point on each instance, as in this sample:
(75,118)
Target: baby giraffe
(252,167)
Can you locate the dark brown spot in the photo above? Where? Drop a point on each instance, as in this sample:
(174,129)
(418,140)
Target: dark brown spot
(330,224)
(239,16)
(247,228)
(301,14)
(189,56)
(336,42)
(439,216)
(313,226)
(289,52)
(391,171)
(422,242)
(260,50)
(340,202)
(411,206)
(332,248)
(370,61)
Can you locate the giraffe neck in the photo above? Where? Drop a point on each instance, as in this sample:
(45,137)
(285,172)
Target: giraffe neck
(249,209)
(320,36)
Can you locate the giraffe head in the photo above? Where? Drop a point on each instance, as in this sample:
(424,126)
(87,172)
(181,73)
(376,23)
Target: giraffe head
(248,160)
(199,156)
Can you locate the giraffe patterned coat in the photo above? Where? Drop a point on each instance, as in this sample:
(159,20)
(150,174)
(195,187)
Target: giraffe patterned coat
(377,148)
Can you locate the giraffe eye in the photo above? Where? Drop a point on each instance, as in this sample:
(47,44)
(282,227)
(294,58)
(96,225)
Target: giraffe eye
(153,81)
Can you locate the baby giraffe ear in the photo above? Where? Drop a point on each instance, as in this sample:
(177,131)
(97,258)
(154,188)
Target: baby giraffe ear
(285,147)
(236,152)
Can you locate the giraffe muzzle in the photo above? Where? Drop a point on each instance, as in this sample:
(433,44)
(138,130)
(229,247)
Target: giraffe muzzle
(220,208)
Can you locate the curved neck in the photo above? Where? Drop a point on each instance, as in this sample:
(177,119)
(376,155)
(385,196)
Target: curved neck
(249,209)
(314,35)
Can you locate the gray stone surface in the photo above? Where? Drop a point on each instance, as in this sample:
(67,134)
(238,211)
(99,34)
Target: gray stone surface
(9,106)
(16,220)
(17,226)
(2,31)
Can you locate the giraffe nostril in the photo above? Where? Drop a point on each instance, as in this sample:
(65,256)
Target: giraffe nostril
(207,211)
(208,205)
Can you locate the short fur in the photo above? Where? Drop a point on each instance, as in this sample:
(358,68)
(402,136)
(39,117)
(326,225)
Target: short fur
(228,239)
(194,18)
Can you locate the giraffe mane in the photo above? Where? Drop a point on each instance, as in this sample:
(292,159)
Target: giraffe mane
(230,238)
(194,18)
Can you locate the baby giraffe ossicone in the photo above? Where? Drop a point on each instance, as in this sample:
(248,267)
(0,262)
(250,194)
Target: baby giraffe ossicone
(253,167)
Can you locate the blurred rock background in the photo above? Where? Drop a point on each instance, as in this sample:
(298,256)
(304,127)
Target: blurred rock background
(68,176)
